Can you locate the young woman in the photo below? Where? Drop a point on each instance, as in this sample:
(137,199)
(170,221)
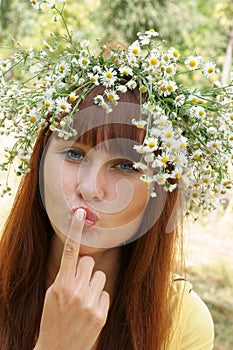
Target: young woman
(91,253)
(86,258)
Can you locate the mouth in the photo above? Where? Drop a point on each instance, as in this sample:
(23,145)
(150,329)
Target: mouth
(91,217)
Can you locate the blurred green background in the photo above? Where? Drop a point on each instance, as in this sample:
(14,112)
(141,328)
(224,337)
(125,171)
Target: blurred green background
(204,26)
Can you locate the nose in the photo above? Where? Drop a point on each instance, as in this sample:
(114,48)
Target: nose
(91,183)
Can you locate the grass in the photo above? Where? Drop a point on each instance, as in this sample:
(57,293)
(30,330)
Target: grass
(209,246)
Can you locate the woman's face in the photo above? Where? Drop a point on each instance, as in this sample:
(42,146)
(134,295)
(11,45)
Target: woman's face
(105,184)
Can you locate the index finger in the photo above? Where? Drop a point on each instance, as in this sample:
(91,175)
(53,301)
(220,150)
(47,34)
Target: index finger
(72,244)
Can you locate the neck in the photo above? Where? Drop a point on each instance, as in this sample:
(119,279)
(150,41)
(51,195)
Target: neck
(107,261)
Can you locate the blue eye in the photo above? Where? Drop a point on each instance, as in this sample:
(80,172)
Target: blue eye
(126,166)
(74,154)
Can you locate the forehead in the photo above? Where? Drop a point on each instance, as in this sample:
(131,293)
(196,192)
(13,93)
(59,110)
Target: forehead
(93,126)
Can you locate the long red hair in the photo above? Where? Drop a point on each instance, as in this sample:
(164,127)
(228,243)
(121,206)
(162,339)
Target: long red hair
(139,317)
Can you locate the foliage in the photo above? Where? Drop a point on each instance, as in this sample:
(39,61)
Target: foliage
(132,17)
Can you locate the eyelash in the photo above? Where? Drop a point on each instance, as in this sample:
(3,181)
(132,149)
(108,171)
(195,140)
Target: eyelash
(81,156)
(74,150)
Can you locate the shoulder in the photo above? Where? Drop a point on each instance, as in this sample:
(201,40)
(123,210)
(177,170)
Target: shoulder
(193,327)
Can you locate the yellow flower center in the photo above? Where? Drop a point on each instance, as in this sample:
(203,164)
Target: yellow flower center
(47,104)
(231,138)
(63,106)
(194,99)
(196,185)
(193,63)
(206,180)
(140,126)
(183,145)
(201,113)
(176,53)
(178,175)
(62,67)
(169,70)
(93,79)
(84,61)
(210,70)
(110,97)
(170,88)
(143,89)
(162,123)
(168,144)
(152,144)
(164,159)
(168,134)
(195,195)
(27,110)
(153,61)
(197,155)
(214,144)
(73,98)
(135,51)
(109,75)
(231,117)
(125,72)
(32,119)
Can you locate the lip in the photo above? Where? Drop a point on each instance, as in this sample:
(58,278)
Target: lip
(91,217)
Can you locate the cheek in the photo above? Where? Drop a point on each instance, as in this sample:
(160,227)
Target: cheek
(69,180)
(140,198)
(54,195)
(137,204)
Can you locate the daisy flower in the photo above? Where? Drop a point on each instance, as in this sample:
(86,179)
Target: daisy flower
(83,62)
(35,4)
(84,44)
(122,88)
(98,100)
(131,84)
(62,105)
(125,70)
(109,77)
(151,144)
(161,178)
(140,124)
(196,154)
(134,49)
(51,4)
(112,95)
(48,104)
(192,62)
(170,87)
(63,68)
(169,70)
(179,100)
(198,112)
(94,78)
(209,69)
(174,53)
(214,145)
(153,60)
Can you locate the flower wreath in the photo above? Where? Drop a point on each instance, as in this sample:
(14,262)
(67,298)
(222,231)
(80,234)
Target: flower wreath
(192,129)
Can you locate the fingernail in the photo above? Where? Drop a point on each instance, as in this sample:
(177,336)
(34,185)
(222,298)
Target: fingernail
(80,213)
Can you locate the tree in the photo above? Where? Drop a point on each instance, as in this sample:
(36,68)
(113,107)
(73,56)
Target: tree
(225,13)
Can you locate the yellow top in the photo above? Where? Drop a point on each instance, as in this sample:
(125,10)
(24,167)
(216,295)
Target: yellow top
(193,327)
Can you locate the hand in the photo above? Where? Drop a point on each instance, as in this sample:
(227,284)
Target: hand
(76,306)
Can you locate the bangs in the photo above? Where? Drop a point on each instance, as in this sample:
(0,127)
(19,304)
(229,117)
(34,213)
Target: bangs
(113,132)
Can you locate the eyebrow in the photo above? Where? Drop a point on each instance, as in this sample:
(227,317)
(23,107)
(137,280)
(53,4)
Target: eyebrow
(115,149)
